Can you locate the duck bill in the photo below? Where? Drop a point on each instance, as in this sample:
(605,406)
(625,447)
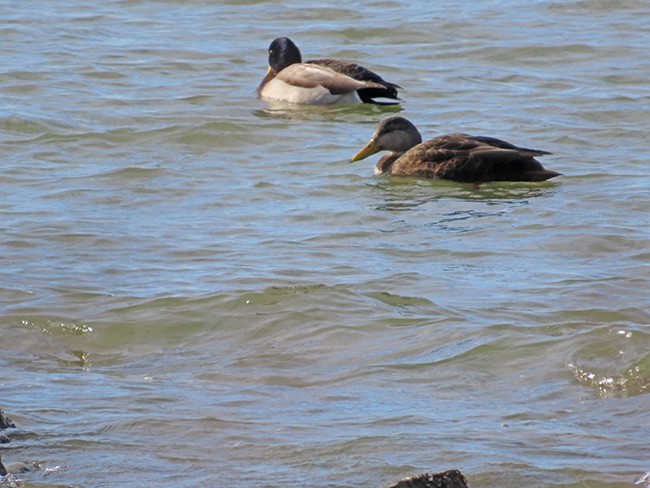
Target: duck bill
(369,149)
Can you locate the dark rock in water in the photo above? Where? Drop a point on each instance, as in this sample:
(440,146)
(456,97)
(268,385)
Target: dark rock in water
(447,479)
(16,468)
(11,435)
(5,422)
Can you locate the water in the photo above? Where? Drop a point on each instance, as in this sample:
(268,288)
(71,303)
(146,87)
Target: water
(198,289)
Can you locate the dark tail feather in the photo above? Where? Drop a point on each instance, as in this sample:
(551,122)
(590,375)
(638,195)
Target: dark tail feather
(509,165)
(367,95)
(493,141)
(542,175)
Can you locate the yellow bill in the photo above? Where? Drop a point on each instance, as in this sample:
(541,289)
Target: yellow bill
(369,149)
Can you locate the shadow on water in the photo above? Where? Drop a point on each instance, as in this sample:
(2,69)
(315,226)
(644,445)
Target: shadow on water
(360,112)
(400,194)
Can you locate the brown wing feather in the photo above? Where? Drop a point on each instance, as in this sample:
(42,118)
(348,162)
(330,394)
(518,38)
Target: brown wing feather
(352,70)
(465,158)
(379,88)
(307,76)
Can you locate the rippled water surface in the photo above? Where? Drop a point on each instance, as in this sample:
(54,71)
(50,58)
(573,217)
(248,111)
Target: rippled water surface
(198,289)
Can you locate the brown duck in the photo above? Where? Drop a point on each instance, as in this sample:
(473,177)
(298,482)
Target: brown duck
(457,157)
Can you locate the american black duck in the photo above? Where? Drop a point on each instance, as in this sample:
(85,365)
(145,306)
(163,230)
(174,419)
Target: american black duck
(457,157)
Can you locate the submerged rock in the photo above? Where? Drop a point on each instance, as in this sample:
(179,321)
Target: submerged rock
(5,422)
(9,432)
(447,479)
(16,468)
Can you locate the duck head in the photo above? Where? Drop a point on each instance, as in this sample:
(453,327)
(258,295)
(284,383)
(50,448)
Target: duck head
(394,134)
(282,53)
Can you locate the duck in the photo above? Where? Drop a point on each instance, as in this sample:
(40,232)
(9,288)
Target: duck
(320,81)
(457,157)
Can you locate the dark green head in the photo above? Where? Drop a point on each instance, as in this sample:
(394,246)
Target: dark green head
(282,53)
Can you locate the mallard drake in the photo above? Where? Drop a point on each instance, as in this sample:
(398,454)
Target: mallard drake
(458,157)
(319,81)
